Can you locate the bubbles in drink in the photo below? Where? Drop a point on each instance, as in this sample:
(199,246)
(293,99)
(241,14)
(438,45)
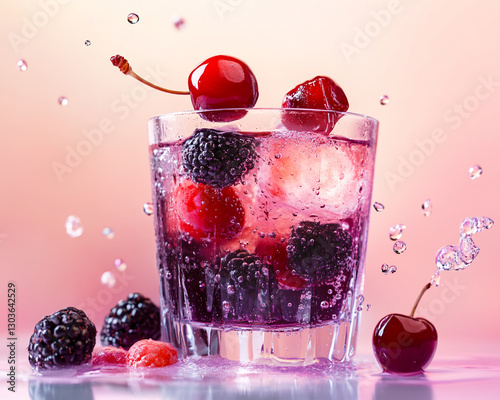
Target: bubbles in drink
(108,279)
(120,265)
(378,207)
(178,22)
(475,171)
(399,247)
(384,100)
(74,226)
(63,101)
(396,231)
(148,208)
(87,43)
(22,65)
(133,18)
(426,208)
(324,304)
(108,233)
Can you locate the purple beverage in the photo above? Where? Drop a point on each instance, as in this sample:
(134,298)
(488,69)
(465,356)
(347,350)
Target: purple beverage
(261,233)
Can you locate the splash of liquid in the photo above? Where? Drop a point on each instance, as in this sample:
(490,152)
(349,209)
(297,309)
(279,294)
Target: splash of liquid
(459,257)
(396,231)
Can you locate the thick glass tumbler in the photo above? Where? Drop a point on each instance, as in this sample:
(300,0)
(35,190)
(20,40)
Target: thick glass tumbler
(261,221)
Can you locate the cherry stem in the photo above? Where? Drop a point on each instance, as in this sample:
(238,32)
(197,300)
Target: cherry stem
(124,66)
(425,288)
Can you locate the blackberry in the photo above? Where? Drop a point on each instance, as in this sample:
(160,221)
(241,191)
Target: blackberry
(65,338)
(244,269)
(131,320)
(319,251)
(219,159)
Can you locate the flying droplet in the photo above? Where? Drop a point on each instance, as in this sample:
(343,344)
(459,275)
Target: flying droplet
(378,207)
(179,22)
(108,279)
(426,208)
(88,42)
(133,18)
(436,279)
(392,269)
(74,227)
(396,231)
(475,171)
(63,101)
(148,208)
(447,258)
(368,306)
(384,100)
(108,233)
(399,247)
(22,65)
(120,265)
(385,268)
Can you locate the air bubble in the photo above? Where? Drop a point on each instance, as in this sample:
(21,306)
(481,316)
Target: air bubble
(396,231)
(148,208)
(399,247)
(475,171)
(108,279)
(226,305)
(22,65)
(378,207)
(426,208)
(133,18)
(74,226)
(87,43)
(63,101)
(120,265)
(108,233)
(324,304)
(384,100)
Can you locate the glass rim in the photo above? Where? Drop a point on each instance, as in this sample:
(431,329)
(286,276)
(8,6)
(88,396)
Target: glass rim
(194,112)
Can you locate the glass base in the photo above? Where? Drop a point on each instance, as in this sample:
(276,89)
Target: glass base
(284,346)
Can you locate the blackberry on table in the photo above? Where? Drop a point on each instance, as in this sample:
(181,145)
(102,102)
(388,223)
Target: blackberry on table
(319,251)
(131,320)
(65,338)
(219,159)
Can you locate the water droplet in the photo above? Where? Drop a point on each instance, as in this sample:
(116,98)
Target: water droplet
(324,304)
(133,18)
(426,208)
(74,227)
(277,156)
(87,43)
(475,171)
(108,279)
(392,269)
(467,249)
(368,306)
(385,268)
(108,233)
(396,231)
(63,101)
(22,65)
(178,22)
(378,207)
(120,265)
(399,247)
(436,279)
(384,100)
(148,208)
(447,258)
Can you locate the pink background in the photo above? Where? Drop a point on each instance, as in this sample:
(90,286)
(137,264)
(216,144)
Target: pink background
(437,61)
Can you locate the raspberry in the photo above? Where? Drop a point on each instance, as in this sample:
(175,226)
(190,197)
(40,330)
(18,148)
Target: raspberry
(65,338)
(151,353)
(319,251)
(109,355)
(131,320)
(243,269)
(219,159)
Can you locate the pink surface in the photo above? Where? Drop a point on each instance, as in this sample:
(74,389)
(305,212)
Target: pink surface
(437,61)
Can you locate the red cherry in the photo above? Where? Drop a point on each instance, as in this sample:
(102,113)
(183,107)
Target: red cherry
(222,82)
(320,93)
(274,253)
(403,344)
(206,212)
